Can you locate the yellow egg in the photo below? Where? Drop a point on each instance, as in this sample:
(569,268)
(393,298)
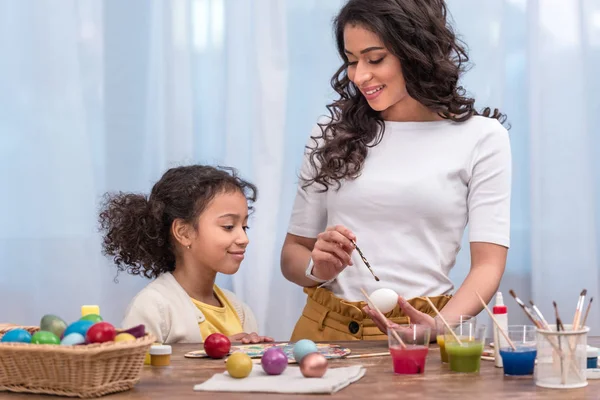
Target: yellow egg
(239,365)
(124,337)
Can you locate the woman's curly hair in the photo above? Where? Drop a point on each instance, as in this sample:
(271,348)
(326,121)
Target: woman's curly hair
(432,60)
(137,228)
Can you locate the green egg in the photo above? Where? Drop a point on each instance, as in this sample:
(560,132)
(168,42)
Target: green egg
(54,324)
(91,317)
(44,337)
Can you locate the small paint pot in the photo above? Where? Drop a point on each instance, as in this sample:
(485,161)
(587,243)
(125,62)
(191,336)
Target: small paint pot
(160,355)
(592,357)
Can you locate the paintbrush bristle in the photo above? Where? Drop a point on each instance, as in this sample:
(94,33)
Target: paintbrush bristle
(587,312)
(531,302)
(558,321)
(583,292)
(518,300)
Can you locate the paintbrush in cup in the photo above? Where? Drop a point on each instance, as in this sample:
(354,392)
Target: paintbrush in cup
(587,312)
(364,260)
(559,323)
(526,309)
(579,310)
(442,319)
(371,304)
(560,326)
(512,345)
(539,314)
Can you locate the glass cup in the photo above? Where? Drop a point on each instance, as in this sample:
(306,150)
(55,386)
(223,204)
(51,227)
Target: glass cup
(410,358)
(522,360)
(561,358)
(464,354)
(440,328)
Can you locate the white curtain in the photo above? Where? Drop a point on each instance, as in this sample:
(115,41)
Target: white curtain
(538,62)
(99,96)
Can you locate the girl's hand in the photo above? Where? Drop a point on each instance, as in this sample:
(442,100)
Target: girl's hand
(250,338)
(331,253)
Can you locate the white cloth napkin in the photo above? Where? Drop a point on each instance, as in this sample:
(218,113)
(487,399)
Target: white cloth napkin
(290,381)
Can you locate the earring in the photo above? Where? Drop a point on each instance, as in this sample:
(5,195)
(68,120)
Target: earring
(189,246)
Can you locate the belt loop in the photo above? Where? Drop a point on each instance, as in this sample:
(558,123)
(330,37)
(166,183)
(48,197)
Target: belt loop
(322,320)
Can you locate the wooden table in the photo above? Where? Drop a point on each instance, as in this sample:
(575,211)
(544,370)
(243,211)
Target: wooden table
(178,380)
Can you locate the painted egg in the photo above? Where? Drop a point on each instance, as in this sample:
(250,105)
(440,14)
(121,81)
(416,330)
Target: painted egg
(314,365)
(44,337)
(217,345)
(239,365)
(80,327)
(101,332)
(16,336)
(304,347)
(91,317)
(384,299)
(274,361)
(124,337)
(72,339)
(137,331)
(54,324)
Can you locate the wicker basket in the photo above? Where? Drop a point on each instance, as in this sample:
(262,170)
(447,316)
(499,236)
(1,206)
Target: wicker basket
(76,371)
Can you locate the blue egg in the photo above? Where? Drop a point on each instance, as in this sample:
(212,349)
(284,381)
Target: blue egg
(17,336)
(80,327)
(304,347)
(73,339)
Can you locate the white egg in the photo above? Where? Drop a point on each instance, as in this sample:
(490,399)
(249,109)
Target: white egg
(384,299)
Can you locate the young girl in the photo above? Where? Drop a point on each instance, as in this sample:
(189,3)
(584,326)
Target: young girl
(191,227)
(404,162)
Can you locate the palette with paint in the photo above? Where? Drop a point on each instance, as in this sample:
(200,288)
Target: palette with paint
(330,351)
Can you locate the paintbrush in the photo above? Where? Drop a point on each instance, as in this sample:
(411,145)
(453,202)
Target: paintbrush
(362,256)
(579,310)
(539,315)
(367,355)
(371,304)
(559,326)
(526,309)
(587,312)
(558,320)
(497,324)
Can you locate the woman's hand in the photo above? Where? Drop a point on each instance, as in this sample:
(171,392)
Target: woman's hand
(416,317)
(250,338)
(331,253)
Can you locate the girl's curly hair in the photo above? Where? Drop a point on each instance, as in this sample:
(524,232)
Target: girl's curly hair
(137,228)
(432,60)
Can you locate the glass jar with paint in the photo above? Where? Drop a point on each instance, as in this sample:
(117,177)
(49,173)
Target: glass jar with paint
(520,361)
(409,345)
(464,345)
(440,328)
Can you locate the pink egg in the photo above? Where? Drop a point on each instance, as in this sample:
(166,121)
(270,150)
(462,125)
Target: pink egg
(313,365)
(274,361)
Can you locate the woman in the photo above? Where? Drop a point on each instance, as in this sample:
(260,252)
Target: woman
(399,168)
